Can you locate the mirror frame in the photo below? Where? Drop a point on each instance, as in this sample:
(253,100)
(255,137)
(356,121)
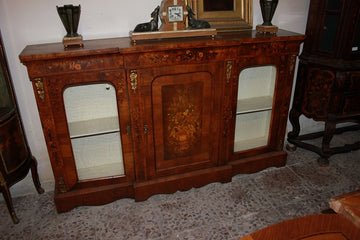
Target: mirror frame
(238,20)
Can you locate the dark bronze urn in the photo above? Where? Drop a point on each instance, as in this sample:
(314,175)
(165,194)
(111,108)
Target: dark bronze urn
(70,16)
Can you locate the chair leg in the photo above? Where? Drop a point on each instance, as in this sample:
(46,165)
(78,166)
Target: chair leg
(6,193)
(35,176)
(330,127)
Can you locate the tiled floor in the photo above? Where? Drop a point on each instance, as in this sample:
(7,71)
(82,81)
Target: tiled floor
(216,211)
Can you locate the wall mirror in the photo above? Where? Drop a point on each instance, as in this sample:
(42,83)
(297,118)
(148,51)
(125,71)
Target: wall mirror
(224,15)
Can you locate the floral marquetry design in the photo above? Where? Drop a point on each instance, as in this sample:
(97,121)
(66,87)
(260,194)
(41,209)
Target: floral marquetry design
(319,92)
(182,118)
(195,55)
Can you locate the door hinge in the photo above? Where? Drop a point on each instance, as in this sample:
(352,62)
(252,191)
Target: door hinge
(146,128)
(128,130)
(61,185)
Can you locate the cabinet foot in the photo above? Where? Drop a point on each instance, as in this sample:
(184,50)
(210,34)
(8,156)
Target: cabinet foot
(14,218)
(10,206)
(291,147)
(323,162)
(35,176)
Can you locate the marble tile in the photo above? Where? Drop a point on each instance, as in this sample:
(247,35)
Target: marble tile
(349,137)
(324,179)
(126,219)
(233,199)
(81,224)
(50,227)
(45,206)
(300,156)
(208,232)
(24,209)
(313,203)
(280,186)
(251,222)
(184,212)
(348,165)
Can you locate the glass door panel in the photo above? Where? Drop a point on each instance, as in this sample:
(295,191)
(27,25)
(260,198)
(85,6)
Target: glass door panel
(334,5)
(329,32)
(92,116)
(254,107)
(331,23)
(6,103)
(356,45)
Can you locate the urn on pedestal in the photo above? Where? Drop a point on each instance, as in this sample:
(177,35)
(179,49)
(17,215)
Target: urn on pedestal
(70,16)
(268,8)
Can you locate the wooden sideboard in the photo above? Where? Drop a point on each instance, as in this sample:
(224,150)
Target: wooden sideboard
(123,120)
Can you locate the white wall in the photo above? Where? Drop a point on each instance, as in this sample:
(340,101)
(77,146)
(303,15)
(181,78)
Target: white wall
(24,22)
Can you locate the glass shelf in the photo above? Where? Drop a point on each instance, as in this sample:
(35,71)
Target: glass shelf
(112,169)
(93,127)
(98,156)
(255,104)
(252,130)
(250,143)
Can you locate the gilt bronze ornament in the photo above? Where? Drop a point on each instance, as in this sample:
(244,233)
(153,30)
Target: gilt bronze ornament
(70,16)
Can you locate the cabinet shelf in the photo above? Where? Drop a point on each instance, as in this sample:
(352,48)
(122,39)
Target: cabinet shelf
(105,170)
(94,155)
(250,143)
(252,130)
(256,104)
(93,127)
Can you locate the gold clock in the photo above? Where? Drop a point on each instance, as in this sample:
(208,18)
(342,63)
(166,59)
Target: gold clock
(173,15)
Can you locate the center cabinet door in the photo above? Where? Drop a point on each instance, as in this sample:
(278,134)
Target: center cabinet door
(181,118)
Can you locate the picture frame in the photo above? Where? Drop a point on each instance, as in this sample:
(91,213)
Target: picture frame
(225,15)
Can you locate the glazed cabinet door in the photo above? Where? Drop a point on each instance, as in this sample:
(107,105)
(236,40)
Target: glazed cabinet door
(86,123)
(331,19)
(181,110)
(260,100)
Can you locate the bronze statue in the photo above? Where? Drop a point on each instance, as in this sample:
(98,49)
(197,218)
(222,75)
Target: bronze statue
(194,23)
(150,26)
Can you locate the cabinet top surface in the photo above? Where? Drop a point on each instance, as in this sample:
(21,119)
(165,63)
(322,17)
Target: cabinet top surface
(124,45)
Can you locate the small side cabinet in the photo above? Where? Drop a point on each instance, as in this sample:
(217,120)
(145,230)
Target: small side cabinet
(15,156)
(328,81)
(123,120)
